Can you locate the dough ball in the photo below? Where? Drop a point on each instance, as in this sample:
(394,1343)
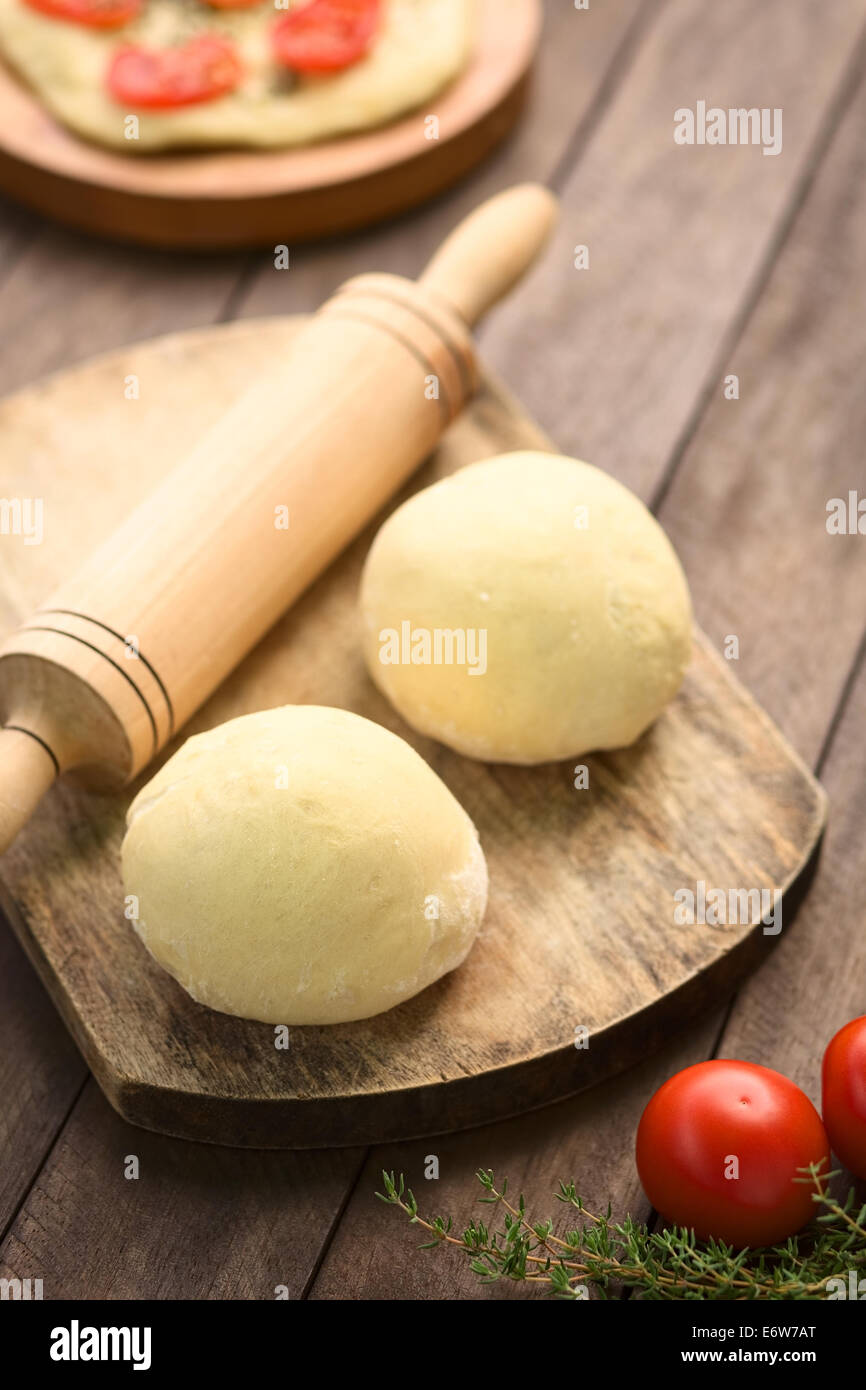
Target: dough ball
(526,609)
(303,865)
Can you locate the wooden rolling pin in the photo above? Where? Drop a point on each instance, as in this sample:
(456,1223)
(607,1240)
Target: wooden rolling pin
(101,677)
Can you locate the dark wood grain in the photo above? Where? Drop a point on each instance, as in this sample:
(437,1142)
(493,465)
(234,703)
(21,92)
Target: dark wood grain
(17,226)
(747,509)
(816,981)
(748,503)
(589,1138)
(65,299)
(750,494)
(198,1222)
(41,1072)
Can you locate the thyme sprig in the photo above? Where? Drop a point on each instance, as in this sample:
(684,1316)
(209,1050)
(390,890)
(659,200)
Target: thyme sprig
(610,1256)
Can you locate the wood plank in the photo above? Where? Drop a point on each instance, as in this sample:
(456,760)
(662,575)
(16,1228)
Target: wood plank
(785,1016)
(589,1139)
(17,226)
(749,502)
(41,1072)
(198,1222)
(611,361)
(747,512)
(68,297)
(580,53)
(747,509)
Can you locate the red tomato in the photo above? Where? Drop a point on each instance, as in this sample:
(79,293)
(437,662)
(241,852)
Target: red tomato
(99,14)
(326,35)
(719,1119)
(843,1086)
(199,70)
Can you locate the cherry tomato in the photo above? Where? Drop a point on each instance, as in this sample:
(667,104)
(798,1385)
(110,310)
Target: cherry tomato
(98,14)
(843,1086)
(326,34)
(718,1149)
(200,70)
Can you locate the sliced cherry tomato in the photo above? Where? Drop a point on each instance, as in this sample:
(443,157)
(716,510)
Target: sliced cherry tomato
(719,1147)
(326,35)
(98,14)
(200,70)
(844,1095)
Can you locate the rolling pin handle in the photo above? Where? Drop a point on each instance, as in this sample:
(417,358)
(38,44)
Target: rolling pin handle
(486,255)
(27,770)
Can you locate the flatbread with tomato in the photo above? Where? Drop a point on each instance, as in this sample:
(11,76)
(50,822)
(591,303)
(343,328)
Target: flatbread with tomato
(265,73)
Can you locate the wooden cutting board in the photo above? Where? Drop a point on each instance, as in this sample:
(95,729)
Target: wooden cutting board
(580,930)
(234,198)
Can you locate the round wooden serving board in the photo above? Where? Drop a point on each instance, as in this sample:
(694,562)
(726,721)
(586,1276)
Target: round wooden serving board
(579,931)
(241,198)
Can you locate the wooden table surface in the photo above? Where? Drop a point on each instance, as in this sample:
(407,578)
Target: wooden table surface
(703,262)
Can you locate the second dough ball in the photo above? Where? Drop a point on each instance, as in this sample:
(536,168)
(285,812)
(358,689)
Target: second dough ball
(527,609)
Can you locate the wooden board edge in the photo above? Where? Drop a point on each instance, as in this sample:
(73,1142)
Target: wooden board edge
(451,1106)
(440,1107)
